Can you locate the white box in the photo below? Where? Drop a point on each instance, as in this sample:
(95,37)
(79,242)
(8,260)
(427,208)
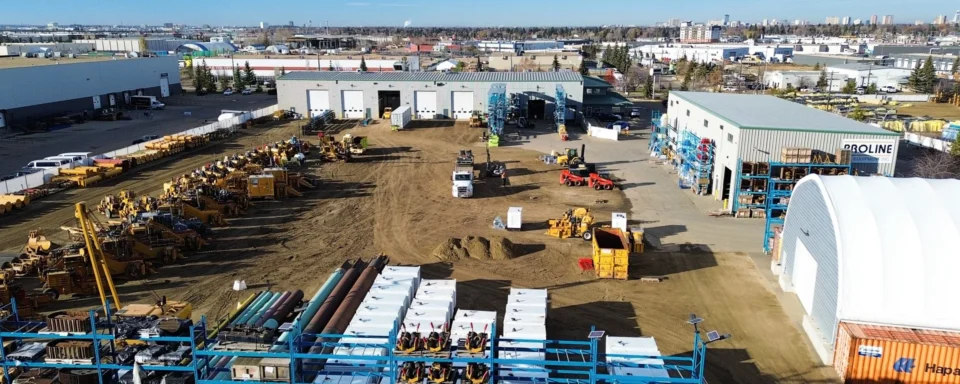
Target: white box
(437,283)
(525,332)
(474,315)
(527,301)
(619,220)
(514,309)
(390,309)
(521,292)
(387,297)
(394,270)
(524,318)
(514,218)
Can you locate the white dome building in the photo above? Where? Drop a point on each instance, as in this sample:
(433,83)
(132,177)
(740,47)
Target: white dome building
(875,250)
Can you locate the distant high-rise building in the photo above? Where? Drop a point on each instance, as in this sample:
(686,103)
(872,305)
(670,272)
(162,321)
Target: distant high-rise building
(845,20)
(956,17)
(940,20)
(873,20)
(857,22)
(290,24)
(699,33)
(833,20)
(726,18)
(168,25)
(765,22)
(887,20)
(53,25)
(264,25)
(674,22)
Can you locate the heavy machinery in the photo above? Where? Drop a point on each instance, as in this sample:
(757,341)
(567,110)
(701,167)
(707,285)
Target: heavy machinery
(476,120)
(441,373)
(355,144)
(476,342)
(492,168)
(438,341)
(98,259)
(386,112)
(573,223)
(411,373)
(600,181)
(496,112)
(560,112)
(462,176)
(477,373)
(576,176)
(409,342)
(570,157)
(332,150)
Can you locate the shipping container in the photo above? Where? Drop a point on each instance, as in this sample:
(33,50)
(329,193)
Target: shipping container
(870,354)
(611,253)
(400,117)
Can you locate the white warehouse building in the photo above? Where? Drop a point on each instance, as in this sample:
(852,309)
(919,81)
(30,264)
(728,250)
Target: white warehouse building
(865,74)
(874,250)
(700,53)
(754,128)
(270,68)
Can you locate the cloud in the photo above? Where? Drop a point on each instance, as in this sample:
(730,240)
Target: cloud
(406,23)
(353,4)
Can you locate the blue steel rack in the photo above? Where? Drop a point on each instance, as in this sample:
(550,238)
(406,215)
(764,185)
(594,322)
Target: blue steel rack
(658,134)
(777,191)
(560,112)
(496,111)
(16,329)
(697,163)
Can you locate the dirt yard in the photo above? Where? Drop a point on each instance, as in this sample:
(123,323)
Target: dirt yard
(396,199)
(935,110)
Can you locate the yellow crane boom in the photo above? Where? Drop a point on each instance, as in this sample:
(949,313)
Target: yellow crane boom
(98,262)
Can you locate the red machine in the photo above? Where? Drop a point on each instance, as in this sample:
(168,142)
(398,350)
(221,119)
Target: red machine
(574,176)
(600,181)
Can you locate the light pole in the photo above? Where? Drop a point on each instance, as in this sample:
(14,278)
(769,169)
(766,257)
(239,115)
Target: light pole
(700,346)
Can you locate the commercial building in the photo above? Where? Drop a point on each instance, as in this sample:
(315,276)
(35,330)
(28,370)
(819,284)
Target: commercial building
(323,41)
(700,33)
(133,44)
(887,20)
(755,128)
(269,68)
(431,95)
(940,20)
(828,60)
(700,53)
(77,87)
(519,47)
(866,74)
(942,61)
(873,250)
(795,79)
(45,49)
(534,61)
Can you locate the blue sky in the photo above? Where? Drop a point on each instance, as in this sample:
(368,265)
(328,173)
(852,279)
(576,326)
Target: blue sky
(454,12)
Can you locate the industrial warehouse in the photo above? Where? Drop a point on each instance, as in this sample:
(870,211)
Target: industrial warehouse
(437,95)
(72,88)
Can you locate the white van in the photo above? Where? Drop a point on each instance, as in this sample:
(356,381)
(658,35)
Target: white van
(84,158)
(47,164)
(68,162)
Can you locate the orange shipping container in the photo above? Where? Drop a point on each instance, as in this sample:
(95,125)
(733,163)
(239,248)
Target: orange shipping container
(879,354)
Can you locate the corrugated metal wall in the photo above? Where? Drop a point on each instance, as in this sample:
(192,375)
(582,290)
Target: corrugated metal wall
(807,219)
(765,145)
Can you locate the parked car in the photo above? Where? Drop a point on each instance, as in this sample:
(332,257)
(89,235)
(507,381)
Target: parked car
(729,89)
(889,89)
(228,92)
(608,116)
(635,113)
(624,125)
(861,90)
(247,91)
(145,139)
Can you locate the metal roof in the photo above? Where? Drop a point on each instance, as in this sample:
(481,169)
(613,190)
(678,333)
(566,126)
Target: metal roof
(595,82)
(436,76)
(773,113)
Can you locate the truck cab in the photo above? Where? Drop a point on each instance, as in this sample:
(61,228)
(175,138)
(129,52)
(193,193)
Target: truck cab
(462,181)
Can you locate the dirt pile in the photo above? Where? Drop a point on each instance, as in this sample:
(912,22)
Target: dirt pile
(479,248)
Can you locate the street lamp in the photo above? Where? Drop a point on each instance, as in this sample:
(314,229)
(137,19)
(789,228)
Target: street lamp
(700,345)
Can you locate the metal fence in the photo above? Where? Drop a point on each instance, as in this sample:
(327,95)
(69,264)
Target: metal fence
(928,142)
(920,98)
(35,180)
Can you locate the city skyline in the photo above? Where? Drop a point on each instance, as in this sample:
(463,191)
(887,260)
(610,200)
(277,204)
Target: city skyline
(440,13)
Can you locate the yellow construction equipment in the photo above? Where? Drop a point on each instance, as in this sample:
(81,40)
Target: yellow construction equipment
(569,157)
(476,120)
(98,259)
(477,373)
(573,223)
(611,253)
(355,144)
(162,309)
(411,373)
(438,340)
(440,373)
(387,112)
(409,342)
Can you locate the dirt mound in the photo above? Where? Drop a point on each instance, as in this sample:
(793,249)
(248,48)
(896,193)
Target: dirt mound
(478,248)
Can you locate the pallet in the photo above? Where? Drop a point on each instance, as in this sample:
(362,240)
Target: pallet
(69,361)
(238,346)
(653,279)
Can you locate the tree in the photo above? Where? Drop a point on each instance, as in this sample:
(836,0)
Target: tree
(647,89)
(556,64)
(872,89)
(330,66)
(143,44)
(938,165)
(816,67)
(461,66)
(224,81)
(479,65)
(955,148)
(264,39)
(363,64)
(790,89)
(850,87)
(914,80)
(956,66)
(583,68)
(857,114)
(685,85)
(197,78)
(238,80)
(249,78)
(822,81)
(928,77)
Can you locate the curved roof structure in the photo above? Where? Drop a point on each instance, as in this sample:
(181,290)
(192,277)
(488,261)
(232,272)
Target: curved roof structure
(898,244)
(209,47)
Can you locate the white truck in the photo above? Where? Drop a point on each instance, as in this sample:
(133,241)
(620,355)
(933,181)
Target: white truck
(463,181)
(146,102)
(400,117)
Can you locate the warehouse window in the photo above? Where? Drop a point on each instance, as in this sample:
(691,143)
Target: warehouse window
(706,124)
(688,112)
(729,137)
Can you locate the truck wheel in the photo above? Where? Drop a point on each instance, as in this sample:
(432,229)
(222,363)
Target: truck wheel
(596,186)
(569,183)
(608,187)
(587,236)
(133,271)
(51,293)
(579,183)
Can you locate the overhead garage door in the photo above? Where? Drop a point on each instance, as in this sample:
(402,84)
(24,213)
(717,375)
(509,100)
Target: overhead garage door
(804,275)
(462,105)
(164,87)
(425,104)
(353,104)
(317,101)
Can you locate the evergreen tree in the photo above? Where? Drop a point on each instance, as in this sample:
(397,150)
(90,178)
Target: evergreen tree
(816,67)
(872,89)
(850,87)
(928,77)
(363,64)
(249,77)
(822,81)
(685,85)
(955,148)
(583,69)
(914,80)
(956,66)
(556,64)
(648,87)
(197,80)
(858,114)
(224,81)
(479,65)
(330,66)
(238,81)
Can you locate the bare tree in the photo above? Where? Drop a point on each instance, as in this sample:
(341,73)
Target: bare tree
(936,165)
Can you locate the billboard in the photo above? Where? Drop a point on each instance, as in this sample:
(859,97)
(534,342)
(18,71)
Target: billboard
(873,151)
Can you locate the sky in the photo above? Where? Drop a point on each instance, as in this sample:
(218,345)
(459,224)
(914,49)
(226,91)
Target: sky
(455,12)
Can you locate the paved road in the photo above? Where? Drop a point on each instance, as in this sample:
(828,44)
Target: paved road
(105,136)
(670,216)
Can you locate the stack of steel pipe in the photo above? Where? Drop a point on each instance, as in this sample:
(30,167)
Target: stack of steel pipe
(333,301)
(383,307)
(309,311)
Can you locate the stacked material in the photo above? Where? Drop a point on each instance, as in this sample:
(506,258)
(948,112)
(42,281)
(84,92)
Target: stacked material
(385,304)
(524,323)
(10,202)
(640,360)
(468,320)
(258,323)
(432,306)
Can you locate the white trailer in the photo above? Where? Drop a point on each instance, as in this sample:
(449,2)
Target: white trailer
(400,117)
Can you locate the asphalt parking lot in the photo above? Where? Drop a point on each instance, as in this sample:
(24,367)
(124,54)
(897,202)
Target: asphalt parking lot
(182,113)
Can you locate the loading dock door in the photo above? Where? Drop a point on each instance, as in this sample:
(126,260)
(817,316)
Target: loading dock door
(462,105)
(317,101)
(96,102)
(164,87)
(425,104)
(113,100)
(353,104)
